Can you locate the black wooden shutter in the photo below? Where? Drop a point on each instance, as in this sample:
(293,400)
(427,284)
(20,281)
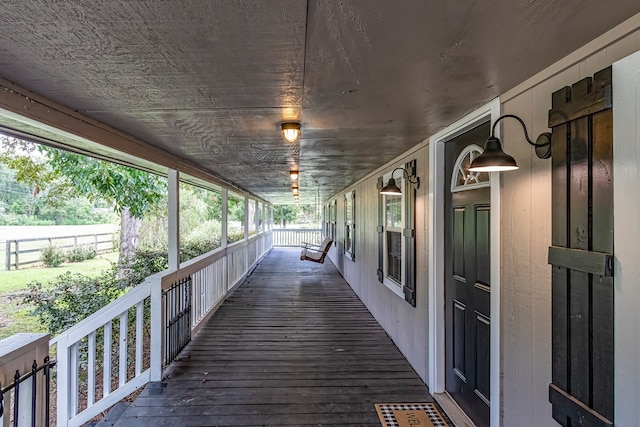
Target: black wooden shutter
(380,232)
(409,234)
(581,116)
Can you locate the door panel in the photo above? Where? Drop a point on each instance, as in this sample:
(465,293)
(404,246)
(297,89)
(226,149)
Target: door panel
(467,284)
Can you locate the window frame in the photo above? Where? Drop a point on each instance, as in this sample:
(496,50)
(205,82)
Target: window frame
(389,281)
(349,225)
(407,288)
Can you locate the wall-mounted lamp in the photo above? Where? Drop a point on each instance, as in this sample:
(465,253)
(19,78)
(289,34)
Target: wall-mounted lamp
(291,131)
(294,175)
(392,189)
(493,159)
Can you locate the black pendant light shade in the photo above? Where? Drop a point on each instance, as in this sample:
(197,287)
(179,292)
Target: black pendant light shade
(391,188)
(493,159)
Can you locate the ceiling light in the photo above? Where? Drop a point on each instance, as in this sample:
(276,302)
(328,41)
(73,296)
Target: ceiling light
(294,175)
(392,189)
(291,131)
(493,159)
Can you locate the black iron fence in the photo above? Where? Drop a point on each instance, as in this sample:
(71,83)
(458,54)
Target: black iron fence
(15,399)
(177,318)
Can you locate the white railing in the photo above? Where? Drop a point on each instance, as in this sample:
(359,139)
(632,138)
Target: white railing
(296,236)
(129,356)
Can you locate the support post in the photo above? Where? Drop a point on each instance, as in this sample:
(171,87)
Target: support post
(174,219)
(224,201)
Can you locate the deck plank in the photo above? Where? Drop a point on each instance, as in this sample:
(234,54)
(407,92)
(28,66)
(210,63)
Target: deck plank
(293,345)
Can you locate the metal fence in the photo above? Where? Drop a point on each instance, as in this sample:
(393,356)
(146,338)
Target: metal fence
(177,312)
(296,236)
(22,252)
(20,402)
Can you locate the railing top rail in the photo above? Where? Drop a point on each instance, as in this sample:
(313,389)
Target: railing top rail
(297,229)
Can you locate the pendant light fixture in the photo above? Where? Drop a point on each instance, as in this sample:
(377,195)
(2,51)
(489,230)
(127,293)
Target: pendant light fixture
(493,159)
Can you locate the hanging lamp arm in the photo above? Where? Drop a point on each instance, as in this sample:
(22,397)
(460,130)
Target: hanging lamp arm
(415,181)
(546,140)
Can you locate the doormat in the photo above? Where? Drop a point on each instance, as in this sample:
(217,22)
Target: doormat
(410,415)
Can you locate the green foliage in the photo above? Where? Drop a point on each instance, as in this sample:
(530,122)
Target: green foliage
(283,214)
(52,256)
(59,174)
(72,297)
(138,191)
(234,236)
(81,253)
(146,262)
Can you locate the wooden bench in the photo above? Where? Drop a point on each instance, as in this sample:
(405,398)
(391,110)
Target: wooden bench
(316,253)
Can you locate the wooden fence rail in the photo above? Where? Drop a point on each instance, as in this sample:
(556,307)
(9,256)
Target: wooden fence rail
(21,252)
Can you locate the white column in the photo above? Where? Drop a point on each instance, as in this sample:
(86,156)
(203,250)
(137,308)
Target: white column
(174,219)
(256,217)
(246,218)
(224,201)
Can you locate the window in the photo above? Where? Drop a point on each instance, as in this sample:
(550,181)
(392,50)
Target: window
(393,237)
(333,213)
(349,224)
(396,236)
(461,178)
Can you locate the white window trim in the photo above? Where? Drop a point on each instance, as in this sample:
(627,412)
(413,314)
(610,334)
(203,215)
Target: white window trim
(457,168)
(437,182)
(395,287)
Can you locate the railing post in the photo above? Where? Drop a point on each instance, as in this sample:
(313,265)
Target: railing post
(156,330)
(62,388)
(7,255)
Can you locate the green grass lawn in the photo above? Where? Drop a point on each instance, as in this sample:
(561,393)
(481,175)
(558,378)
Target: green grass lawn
(14,315)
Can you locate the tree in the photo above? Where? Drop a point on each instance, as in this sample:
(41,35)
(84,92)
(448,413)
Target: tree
(284,213)
(132,192)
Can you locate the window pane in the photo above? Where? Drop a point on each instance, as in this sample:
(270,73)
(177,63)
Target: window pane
(394,255)
(393,211)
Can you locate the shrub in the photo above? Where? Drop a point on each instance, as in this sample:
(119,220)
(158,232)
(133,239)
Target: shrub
(81,253)
(90,252)
(69,298)
(146,262)
(52,256)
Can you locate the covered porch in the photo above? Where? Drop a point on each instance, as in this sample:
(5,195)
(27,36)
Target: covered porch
(293,345)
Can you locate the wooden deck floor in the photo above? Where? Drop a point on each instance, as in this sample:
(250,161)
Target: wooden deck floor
(292,346)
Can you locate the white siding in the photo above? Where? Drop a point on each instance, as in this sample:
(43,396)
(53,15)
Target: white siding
(406,325)
(526,236)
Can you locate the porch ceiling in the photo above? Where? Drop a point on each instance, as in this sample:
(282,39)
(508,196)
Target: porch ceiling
(211,81)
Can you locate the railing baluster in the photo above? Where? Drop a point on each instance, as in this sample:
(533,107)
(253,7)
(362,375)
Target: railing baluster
(16,399)
(139,336)
(47,390)
(122,364)
(106,368)
(73,379)
(34,389)
(91,369)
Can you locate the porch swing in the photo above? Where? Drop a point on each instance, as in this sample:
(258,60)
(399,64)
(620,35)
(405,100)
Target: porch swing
(315,253)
